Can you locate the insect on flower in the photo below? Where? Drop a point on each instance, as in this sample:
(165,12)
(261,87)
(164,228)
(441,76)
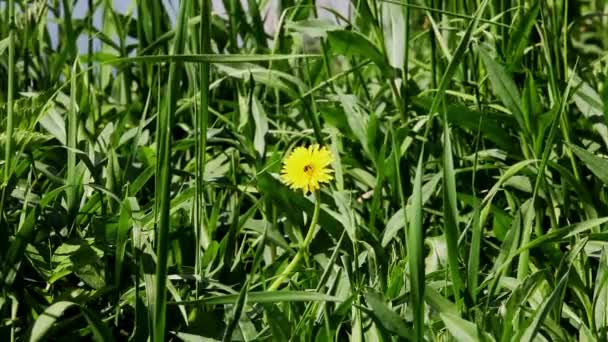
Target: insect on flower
(306,168)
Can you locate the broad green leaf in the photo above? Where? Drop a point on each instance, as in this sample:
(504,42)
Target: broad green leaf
(439,302)
(491,125)
(385,316)
(357,120)
(597,165)
(47,319)
(590,103)
(504,87)
(3,45)
(600,294)
(462,330)
(261,126)
(518,39)
(192,338)
(354,44)
(42,326)
(314,28)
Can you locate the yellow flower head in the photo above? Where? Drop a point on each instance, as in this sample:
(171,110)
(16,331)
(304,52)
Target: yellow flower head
(306,168)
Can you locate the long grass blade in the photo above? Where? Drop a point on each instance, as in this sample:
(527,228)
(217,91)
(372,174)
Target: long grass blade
(163,181)
(415,243)
(451,213)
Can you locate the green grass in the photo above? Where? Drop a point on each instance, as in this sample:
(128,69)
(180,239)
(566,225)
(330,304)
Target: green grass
(140,197)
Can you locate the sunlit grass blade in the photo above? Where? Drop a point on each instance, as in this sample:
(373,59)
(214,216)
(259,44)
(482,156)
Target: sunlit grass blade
(43,325)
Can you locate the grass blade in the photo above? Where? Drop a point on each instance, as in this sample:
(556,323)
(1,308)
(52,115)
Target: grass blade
(554,298)
(450,212)
(455,62)
(415,244)
(386,317)
(264,298)
(72,132)
(163,181)
(505,88)
(8,151)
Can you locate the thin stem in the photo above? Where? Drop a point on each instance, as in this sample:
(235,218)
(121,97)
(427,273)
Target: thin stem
(202,118)
(11,79)
(8,152)
(303,249)
(163,179)
(72,130)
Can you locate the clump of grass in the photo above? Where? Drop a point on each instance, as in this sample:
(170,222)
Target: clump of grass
(141,188)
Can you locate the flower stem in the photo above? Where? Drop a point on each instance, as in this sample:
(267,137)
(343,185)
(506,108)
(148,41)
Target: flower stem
(303,249)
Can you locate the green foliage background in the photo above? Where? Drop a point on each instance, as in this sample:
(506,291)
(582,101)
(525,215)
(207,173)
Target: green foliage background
(140,196)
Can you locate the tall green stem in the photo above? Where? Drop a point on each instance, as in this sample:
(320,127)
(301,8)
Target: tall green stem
(11,79)
(71,141)
(163,180)
(202,120)
(303,249)
(4,228)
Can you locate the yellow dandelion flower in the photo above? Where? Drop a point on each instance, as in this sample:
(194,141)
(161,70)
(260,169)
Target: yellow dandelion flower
(306,168)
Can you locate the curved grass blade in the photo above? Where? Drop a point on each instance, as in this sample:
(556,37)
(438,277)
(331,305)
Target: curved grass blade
(49,317)
(461,329)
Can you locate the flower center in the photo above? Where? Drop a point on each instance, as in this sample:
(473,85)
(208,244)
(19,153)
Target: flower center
(308,169)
